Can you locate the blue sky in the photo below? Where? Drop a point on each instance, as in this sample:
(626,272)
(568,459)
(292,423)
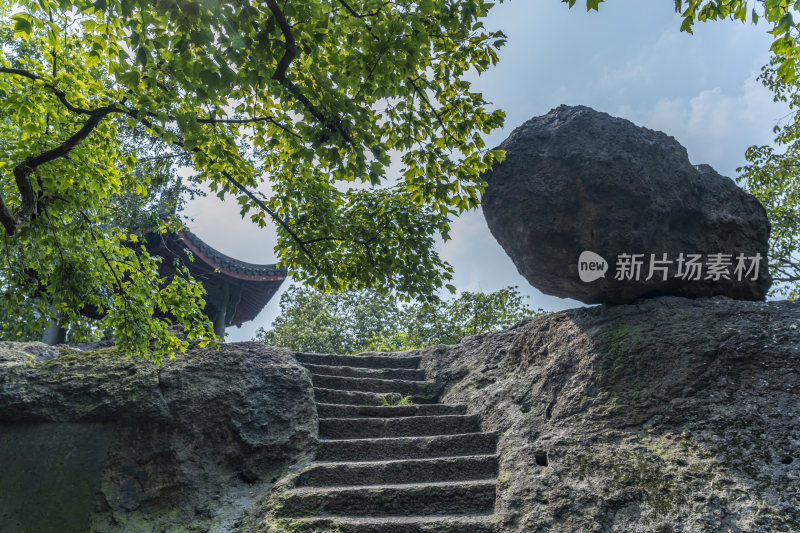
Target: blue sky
(629,60)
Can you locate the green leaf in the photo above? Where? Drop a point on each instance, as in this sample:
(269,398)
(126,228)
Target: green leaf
(592,4)
(141,56)
(499,155)
(785,23)
(210,78)
(23,25)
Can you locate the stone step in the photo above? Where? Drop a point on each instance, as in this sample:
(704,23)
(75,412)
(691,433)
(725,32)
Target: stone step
(391,524)
(460,497)
(406,447)
(410,426)
(400,471)
(333,396)
(358,361)
(400,386)
(330,410)
(379,373)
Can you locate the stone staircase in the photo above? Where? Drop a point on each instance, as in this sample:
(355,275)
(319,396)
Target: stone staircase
(425,467)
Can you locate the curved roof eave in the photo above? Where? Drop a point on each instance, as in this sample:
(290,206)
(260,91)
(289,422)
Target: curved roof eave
(228,265)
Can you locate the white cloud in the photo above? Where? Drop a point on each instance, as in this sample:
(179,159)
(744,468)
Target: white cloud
(717,125)
(669,115)
(481,264)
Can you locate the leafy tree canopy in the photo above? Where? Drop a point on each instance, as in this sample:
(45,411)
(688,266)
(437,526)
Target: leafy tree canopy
(279,105)
(773,176)
(358,321)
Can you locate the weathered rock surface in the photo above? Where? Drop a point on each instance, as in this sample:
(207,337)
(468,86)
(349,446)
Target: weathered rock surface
(670,414)
(578,180)
(96,441)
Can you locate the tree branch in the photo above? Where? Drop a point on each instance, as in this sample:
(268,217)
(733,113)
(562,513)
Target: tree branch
(331,124)
(785,261)
(353,12)
(160,157)
(260,203)
(272,214)
(252,120)
(58,92)
(283,66)
(290,44)
(322,239)
(424,98)
(104,256)
(22,172)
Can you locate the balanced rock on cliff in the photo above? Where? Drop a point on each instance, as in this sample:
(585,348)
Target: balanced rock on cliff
(593,207)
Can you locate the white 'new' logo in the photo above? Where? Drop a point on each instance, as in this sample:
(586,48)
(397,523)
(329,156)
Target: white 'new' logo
(591,266)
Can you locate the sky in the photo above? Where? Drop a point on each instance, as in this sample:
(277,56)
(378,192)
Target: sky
(629,60)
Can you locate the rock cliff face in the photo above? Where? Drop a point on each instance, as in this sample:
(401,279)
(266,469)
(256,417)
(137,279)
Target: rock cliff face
(665,415)
(100,442)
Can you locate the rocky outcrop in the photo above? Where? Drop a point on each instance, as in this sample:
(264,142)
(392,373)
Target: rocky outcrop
(95,441)
(669,414)
(576,180)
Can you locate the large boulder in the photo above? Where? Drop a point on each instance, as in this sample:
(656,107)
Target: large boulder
(97,441)
(669,414)
(577,180)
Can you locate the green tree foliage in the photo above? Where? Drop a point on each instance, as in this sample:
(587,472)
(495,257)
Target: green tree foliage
(773,177)
(357,321)
(294,109)
(346,322)
(69,210)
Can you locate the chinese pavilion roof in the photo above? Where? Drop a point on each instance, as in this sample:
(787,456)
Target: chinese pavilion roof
(250,286)
(227,265)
